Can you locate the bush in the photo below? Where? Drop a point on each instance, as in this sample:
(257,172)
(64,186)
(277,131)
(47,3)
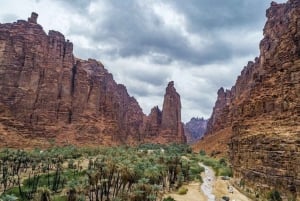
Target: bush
(274,195)
(222,161)
(202,153)
(9,198)
(169,199)
(225,171)
(225,198)
(182,191)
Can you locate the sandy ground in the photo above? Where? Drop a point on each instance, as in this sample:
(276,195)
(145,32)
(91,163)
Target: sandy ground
(194,193)
(212,189)
(221,189)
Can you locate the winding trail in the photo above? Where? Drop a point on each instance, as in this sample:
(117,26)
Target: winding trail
(208,183)
(212,189)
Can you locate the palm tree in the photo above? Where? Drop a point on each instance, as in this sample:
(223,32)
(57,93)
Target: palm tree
(9,198)
(72,194)
(43,195)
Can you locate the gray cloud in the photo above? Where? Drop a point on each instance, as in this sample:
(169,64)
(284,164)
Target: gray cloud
(134,30)
(156,79)
(9,18)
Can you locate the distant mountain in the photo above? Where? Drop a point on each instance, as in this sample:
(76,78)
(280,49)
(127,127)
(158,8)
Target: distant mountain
(195,129)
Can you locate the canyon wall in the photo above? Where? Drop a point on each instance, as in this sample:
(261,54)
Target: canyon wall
(260,115)
(47,93)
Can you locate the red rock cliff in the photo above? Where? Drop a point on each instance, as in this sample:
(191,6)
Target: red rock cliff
(45,92)
(260,115)
(162,126)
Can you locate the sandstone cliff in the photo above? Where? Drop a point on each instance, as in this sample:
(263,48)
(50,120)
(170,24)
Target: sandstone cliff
(45,92)
(259,117)
(195,129)
(161,126)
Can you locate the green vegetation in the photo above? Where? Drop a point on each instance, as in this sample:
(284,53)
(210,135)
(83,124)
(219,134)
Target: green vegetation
(274,195)
(182,191)
(169,198)
(219,166)
(117,173)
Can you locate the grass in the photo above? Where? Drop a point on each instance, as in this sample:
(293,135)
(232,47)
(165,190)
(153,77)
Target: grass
(218,165)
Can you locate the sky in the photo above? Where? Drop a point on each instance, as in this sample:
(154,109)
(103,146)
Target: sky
(201,45)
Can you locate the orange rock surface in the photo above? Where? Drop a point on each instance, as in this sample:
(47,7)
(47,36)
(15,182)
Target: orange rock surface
(259,118)
(46,94)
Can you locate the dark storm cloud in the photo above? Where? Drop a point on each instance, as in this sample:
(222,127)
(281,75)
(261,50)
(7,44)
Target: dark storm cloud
(76,5)
(135,31)
(156,79)
(209,15)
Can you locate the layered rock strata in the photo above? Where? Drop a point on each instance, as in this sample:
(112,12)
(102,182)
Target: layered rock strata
(161,126)
(45,92)
(261,113)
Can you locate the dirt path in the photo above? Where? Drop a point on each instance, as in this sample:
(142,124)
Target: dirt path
(208,182)
(212,189)
(221,189)
(215,188)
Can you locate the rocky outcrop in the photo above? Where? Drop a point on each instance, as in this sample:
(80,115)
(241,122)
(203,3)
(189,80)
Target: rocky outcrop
(195,129)
(220,112)
(163,126)
(261,113)
(153,123)
(171,125)
(45,92)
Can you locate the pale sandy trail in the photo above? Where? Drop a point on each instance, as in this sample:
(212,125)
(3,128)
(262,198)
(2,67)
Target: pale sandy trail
(215,188)
(208,183)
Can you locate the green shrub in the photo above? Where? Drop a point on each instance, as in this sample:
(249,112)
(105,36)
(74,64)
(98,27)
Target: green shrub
(202,153)
(169,199)
(223,162)
(274,195)
(8,198)
(225,171)
(182,191)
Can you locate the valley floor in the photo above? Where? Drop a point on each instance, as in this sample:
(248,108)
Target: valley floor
(213,188)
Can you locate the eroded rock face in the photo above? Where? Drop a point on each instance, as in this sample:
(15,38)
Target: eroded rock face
(45,92)
(262,111)
(153,123)
(171,125)
(165,126)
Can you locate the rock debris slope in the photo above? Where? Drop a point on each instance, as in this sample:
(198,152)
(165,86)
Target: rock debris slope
(47,93)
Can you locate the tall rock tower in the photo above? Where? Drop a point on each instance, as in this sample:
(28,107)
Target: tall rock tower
(171,125)
(165,126)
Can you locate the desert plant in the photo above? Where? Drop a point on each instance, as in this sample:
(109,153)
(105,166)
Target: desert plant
(182,191)
(202,153)
(9,198)
(274,195)
(43,195)
(169,198)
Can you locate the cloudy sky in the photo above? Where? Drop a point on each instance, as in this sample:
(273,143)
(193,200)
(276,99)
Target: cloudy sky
(200,44)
